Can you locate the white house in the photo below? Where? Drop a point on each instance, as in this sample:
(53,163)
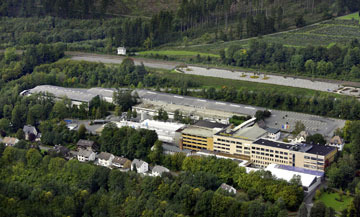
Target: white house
(337,142)
(140,166)
(228,188)
(159,170)
(273,133)
(301,137)
(121,51)
(85,155)
(105,159)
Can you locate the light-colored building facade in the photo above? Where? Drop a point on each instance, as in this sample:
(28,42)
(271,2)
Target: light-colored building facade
(86,155)
(313,157)
(121,51)
(237,141)
(140,166)
(200,136)
(105,159)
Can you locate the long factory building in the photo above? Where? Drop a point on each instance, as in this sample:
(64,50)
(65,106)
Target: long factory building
(255,144)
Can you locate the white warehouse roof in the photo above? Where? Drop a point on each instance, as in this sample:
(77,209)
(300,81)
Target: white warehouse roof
(306,179)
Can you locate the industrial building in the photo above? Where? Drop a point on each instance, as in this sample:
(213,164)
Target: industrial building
(313,157)
(197,108)
(76,95)
(199,136)
(166,131)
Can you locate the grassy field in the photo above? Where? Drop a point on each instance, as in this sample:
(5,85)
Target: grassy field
(340,31)
(329,200)
(176,53)
(206,82)
(354,16)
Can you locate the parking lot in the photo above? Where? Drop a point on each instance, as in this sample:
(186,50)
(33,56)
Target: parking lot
(283,120)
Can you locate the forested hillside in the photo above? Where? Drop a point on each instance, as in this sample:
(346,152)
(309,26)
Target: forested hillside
(180,22)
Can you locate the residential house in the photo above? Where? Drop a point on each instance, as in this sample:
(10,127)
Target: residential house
(159,170)
(119,162)
(28,130)
(84,155)
(85,144)
(105,159)
(140,166)
(121,51)
(10,141)
(227,188)
(337,142)
(273,133)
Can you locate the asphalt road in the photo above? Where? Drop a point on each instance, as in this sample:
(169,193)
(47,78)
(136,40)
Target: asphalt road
(219,73)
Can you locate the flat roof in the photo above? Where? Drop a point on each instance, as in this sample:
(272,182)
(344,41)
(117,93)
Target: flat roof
(198,131)
(307,180)
(272,130)
(310,149)
(321,150)
(274,144)
(208,124)
(251,133)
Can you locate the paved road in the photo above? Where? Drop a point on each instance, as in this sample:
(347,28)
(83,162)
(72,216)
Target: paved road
(220,73)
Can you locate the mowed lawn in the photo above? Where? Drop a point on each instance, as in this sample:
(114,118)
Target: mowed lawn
(329,200)
(177,53)
(354,16)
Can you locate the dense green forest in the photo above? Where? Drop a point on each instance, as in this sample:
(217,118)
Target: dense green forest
(36,185)
(313,61)
(227,20)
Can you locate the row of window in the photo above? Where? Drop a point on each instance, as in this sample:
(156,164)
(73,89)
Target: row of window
(269,150)
(216,143)
(193,146)
(269,159)
(267,154)
(228,141)
(313,158)
(184,134)
(197,139)
(219,147)
(192,142)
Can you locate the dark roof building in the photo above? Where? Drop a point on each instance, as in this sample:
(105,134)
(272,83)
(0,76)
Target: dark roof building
(85,144)
(313,157)
(208,124)
(104,156)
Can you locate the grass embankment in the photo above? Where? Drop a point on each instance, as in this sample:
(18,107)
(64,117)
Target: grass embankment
(329,199)
(206,82)
(176,53)
(354,16)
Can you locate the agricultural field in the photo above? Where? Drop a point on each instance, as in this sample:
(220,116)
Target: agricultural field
(340,31)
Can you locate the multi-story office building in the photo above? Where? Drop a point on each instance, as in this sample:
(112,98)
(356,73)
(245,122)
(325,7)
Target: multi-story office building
(200,135)
(238,141)
(315,157)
